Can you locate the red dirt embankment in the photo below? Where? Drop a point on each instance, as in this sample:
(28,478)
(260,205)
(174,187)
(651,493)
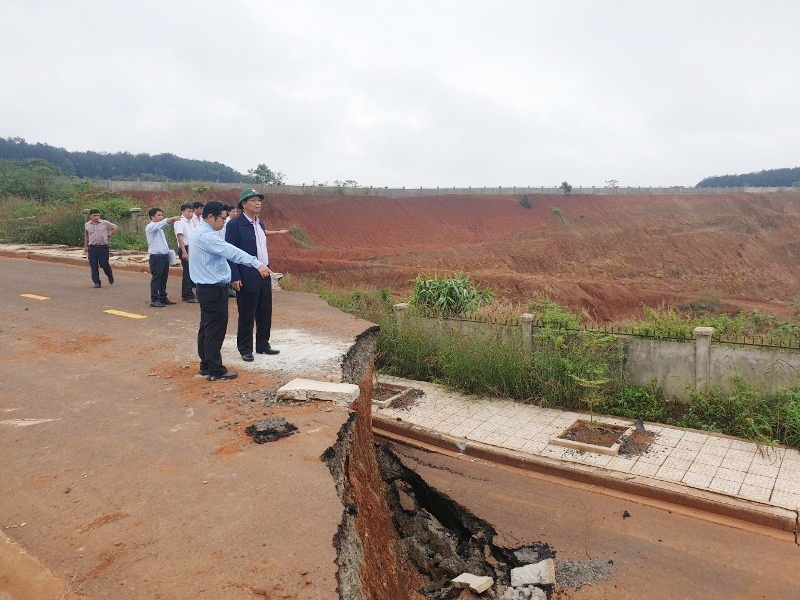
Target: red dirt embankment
(603,254)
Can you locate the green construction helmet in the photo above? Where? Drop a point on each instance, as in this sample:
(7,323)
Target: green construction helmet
(248,193)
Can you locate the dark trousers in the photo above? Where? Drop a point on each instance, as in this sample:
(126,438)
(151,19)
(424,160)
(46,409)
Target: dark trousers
(213,325)
(186,282)
(98,256)
(255,307)
(159,269)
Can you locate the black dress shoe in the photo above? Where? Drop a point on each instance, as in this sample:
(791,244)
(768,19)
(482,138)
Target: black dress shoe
(203,371)
(157,304)
(247,357)
(168,301)
(268,350)
(111,279)
(97,285)
(192,300)
(225,375)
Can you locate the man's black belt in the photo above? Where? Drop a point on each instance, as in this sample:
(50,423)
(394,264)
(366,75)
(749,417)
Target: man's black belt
(224,284)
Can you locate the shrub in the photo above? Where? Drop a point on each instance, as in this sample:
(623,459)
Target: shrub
(558,213)
(525,201)
(447,296)
(551,314)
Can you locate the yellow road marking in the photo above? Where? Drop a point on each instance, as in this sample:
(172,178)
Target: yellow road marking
(120,313)
(34,297)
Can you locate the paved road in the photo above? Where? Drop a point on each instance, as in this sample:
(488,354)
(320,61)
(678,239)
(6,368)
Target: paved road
(134,480)
(656,553)
(131,474)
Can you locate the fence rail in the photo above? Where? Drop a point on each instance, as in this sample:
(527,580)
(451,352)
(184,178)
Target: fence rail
(677,363)
(164,186)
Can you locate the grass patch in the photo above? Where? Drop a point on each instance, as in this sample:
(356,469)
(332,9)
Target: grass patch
(299,234)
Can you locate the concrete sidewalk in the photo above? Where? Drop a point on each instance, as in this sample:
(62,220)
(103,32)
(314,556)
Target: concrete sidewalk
(766,478)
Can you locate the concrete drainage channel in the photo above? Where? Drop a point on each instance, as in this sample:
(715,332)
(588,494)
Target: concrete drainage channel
(399,538)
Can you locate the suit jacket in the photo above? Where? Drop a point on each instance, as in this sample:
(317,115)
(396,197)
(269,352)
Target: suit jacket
(240,233)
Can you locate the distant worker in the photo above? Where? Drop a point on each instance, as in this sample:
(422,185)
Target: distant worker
(183,233)
(253,293)
(211,272)
(158,250)
(96,232)
(197,218)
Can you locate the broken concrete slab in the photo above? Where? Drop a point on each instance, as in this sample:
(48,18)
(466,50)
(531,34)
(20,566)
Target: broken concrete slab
(541,573)
(477,583)
(526,592)
(308,389)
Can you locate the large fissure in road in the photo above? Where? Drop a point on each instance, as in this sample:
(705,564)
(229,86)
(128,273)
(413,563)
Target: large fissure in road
(399,538)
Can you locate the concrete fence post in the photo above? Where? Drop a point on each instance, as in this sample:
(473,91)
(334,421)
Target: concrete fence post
(400,313)
(526,323)
(702,356)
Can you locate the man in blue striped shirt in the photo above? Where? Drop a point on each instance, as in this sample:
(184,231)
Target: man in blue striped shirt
(208,267)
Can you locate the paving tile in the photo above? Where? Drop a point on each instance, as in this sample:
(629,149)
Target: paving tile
(735,465)
(709,459)
(752,492)
(764,471)
(691,445)
(652,459)
(684,454)
(597,460)
(465,428)
(645,469)
(724,486)
(754,480)
(698,480)
(622,463)
(444,427)
(715,450)
(740,455)
(791,486)
(668,441)
(703,469)
(554,451)
(785,499)
(535,446)
(694,436)
(769,456)
(743,446)
(677,463)
(730,475)
(515,443)
(671,474)
(717,442)
(495,439)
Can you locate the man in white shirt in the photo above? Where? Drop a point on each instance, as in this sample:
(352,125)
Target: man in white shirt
(183,232)
(158,250)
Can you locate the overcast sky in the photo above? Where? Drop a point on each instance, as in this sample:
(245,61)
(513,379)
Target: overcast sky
(414,93)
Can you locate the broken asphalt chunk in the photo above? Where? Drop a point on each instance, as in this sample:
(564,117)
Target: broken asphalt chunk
(270,430)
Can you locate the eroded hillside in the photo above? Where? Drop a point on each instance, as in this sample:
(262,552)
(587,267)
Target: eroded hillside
(606,254)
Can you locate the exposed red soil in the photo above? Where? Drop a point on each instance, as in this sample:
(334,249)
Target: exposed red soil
(607,255)
(597,434)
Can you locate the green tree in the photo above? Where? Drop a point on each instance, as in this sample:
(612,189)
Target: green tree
(567,188)
(264,175)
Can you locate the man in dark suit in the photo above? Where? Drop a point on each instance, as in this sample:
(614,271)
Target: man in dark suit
(253,292)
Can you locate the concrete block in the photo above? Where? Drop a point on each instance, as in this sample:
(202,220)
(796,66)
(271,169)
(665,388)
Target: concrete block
(541,573)
(308,389)
(477,583)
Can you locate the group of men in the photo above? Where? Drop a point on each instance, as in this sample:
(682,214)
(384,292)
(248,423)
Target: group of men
(219,249)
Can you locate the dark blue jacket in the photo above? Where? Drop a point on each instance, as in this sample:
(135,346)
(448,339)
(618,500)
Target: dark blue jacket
(241,234)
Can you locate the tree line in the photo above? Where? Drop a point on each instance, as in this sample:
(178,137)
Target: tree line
(768,178)
(120,165)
